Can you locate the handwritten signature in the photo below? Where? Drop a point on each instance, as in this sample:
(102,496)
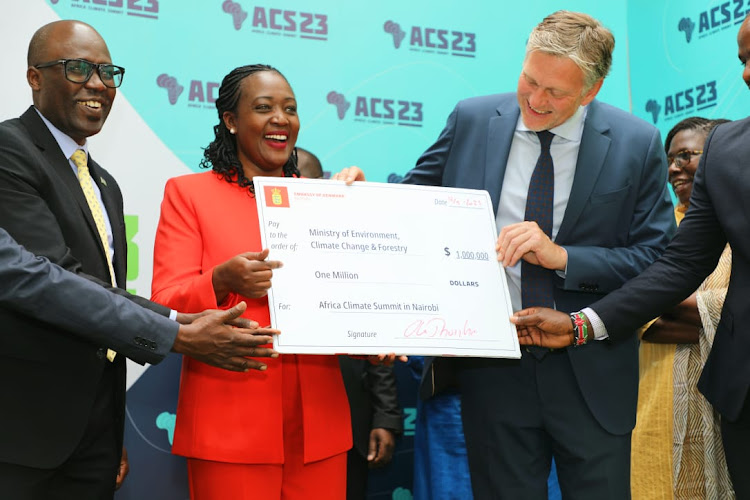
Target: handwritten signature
(437,327)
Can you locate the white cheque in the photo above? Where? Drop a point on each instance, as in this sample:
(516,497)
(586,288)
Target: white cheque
(376,268)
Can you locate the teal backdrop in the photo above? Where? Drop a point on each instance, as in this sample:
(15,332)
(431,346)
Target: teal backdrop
(374,81)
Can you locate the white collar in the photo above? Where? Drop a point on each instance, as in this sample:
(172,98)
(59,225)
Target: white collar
(571,129)
(67,145)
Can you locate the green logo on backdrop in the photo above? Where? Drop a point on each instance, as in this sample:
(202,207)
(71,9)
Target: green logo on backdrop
(131,229)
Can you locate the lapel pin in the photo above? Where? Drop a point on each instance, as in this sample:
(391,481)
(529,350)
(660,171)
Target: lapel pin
(104,183)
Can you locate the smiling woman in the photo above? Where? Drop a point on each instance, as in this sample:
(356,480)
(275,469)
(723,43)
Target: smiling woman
(287,420)
(684,147)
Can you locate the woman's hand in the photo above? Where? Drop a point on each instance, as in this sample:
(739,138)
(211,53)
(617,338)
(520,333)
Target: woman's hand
(247,274)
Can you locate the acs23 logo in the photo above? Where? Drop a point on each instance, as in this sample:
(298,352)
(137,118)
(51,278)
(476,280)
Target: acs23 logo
(712,20)
(696,98)
(458,43)
(376,109)
(272,20)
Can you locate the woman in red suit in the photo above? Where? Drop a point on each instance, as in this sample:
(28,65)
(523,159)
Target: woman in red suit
(280,430)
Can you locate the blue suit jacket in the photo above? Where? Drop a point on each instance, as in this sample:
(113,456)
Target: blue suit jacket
(618,220)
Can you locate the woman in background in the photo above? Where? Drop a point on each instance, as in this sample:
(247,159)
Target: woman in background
(677,449)
(280,431)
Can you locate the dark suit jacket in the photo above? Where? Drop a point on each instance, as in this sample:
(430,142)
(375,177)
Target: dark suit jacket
(718,213)
(48,376)
(373,399)
(618,220)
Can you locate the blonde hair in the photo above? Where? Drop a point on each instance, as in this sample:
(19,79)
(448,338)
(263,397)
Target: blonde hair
(579,37)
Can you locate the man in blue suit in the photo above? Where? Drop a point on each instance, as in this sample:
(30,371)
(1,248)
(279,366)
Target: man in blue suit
(718,215)
(581,201)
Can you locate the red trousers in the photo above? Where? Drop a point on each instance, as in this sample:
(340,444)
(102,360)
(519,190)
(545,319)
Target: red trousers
(292,480)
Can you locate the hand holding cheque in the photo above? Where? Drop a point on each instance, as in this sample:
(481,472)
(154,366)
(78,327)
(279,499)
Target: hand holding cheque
(365,270)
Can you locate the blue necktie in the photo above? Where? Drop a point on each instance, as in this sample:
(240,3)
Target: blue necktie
(537,283)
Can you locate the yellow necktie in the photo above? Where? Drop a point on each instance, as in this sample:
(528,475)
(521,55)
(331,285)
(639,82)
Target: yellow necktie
(84,178)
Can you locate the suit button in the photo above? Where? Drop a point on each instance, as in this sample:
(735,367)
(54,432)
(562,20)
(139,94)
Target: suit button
(101,353)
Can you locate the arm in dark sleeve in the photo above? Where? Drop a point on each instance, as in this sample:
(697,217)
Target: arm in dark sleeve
(386,413)
(430,166)
(37,288)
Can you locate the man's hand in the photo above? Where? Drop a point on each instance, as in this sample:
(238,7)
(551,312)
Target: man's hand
(543,327)
(248,274)
(349,175)
(123,470)
(380,449)
(385,359)
(188,318)
(526,240)
(211,340)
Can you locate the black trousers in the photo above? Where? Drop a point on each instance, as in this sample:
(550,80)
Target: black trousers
(89,473)
(356,475)
(518,414)
(736,438)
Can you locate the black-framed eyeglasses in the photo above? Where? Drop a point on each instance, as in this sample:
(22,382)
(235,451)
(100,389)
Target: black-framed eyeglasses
(682,158)
(80,70)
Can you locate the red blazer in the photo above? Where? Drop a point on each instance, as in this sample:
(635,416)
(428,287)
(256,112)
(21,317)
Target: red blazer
(230,416)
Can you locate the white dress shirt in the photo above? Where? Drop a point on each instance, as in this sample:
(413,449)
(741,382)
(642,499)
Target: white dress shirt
(524,152)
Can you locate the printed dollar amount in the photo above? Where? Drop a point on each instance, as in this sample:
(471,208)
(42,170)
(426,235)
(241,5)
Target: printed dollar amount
(466,254)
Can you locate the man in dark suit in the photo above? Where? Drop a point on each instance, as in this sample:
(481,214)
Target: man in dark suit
(717,215)
(582,205)
(64,393)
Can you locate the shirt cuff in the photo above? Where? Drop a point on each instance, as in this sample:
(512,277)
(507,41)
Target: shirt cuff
(173,315)
(597,325)
(564,273)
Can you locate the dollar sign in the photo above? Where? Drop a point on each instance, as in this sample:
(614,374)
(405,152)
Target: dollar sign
(447,252)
